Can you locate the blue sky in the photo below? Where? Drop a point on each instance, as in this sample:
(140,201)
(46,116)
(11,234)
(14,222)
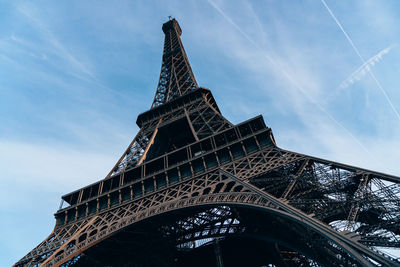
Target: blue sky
(74,75)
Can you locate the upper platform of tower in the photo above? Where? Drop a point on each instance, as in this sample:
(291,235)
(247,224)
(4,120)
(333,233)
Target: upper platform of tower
(177,85)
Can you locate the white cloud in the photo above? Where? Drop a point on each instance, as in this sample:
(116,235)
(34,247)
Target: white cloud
(78,67)
(365,68)
(52,167)
(301,92)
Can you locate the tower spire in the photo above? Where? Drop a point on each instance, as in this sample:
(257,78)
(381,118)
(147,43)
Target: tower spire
(176,77)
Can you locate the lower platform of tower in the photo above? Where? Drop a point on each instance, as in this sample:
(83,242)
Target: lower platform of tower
(214,236)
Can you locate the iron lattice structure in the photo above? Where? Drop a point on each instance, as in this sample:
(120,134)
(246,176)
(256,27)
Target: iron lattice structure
(192,189)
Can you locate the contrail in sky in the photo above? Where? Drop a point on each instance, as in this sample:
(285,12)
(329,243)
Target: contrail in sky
(362,59)
(361,71)
(287,76)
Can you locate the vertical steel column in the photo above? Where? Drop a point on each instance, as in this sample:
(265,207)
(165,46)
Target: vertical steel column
(218,253)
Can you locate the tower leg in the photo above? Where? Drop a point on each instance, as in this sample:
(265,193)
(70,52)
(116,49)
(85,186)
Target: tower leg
(218,254)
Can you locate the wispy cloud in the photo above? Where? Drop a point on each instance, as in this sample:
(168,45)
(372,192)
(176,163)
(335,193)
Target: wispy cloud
(362,59)
(75,65)
(79,68)
(365,68)
(282,68)
(52,167)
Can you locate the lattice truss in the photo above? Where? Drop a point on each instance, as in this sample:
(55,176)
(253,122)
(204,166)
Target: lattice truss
(348,199)
(176,77)
(206,227)
(202,114)
(325,197)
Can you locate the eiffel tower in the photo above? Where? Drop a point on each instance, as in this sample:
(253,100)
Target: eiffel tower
(193,189)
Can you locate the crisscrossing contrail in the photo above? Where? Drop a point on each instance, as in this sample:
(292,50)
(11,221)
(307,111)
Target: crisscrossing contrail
(289,77)
(364,68)
(362,59)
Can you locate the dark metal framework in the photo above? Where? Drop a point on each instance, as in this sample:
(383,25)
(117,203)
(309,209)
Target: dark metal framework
(191,182)
(176,77)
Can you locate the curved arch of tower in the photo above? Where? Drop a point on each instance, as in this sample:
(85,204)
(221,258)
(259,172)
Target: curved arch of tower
(193,189)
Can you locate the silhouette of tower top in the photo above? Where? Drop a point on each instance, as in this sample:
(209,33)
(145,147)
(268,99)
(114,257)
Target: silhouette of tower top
(172,24)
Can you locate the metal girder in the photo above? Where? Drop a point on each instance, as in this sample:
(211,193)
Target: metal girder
(253,166)
(181,197)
